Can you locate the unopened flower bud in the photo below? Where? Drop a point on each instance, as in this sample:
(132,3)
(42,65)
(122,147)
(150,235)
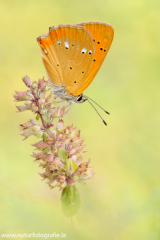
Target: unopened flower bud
(55,183)
(46,174)
(49,157)
(23,96)
(43,88)
(80,170)
(22,108)
(41,83)
(39,134)
(24,126)
(79,160)
(44,111)
(52,105)
(41,101)
(59,135)
(34,108)
(56,160)
(84,165)
(62,179)
(70,182)
(72,151)
(63,185)
(34,84)
(35,128)
(60,124)
(27,81)
(49,141)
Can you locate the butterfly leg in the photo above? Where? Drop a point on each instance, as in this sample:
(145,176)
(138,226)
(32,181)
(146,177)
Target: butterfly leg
(60,101)
(70,104)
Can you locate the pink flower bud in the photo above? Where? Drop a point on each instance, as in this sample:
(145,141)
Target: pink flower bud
(40,145)
(24,126)
(74,157)
(34,84)
(66,140)
(79,160)
(62,179)
(27,81)
(70,182)
(60,124)
(43,88)
(35,128)
(49,157)
(59,135)
(22,108)
(41,101)
(76,136)
(71,151)
(34,108)
(27,133)
(49,141)
(39,155)
(41,82)
(46,174)
(56,160)
(23,96)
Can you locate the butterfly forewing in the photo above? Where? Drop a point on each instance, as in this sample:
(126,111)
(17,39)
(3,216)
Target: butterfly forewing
(102,35)
(67,52)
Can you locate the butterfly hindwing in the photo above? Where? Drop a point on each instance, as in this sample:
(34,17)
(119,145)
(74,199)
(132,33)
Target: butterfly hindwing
(102,34)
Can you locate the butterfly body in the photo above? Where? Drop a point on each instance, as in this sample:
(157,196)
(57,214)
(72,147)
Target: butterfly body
(73,54)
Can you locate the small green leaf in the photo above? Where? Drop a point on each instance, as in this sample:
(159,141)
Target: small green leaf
(46,118)
(74,166)
(57,131)
(37,117)
(62,154)
(71,201)
(44,137)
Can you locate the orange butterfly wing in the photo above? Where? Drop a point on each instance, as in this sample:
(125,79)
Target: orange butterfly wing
(102,34)
(67,52)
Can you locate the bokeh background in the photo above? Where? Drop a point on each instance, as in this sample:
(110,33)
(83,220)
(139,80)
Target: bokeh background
(123,200)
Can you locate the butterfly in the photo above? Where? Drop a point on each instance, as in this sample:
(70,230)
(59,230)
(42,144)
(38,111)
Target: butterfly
(72,55)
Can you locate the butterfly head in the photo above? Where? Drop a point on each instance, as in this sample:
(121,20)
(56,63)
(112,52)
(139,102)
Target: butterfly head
(80,98)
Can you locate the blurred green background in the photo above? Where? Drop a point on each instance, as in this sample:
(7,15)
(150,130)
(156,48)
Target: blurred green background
(123,200)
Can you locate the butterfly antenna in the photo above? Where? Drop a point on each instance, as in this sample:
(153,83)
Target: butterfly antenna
(97,112)
(97,105)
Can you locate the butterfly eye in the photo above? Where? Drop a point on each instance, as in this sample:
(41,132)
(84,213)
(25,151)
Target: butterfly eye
(94,60)
(75,82)
(90,52)
(57,65)
(80,98)
(70,67)
(98,42)
(101,49)
(82,72)
(104,50)
(59,42)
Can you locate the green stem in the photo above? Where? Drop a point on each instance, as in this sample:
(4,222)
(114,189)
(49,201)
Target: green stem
(74,222)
